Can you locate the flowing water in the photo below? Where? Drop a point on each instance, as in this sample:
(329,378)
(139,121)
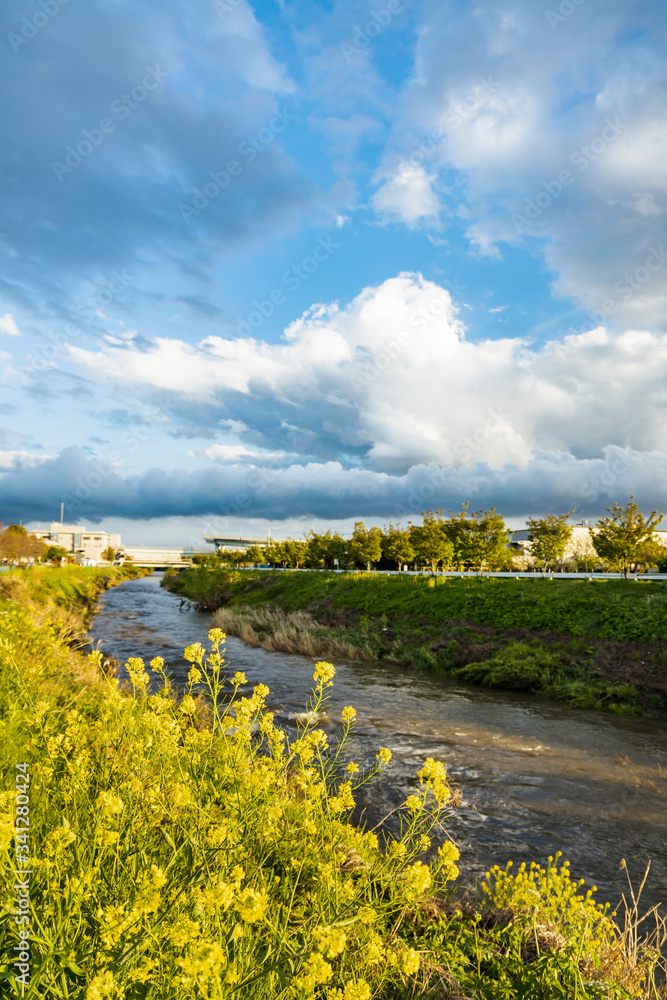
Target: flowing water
(534,777)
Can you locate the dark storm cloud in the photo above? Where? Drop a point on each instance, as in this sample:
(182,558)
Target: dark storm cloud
(92,490)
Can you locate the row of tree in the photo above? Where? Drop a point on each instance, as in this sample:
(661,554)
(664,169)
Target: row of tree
(623,541)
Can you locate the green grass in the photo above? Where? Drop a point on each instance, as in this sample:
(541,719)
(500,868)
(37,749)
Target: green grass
(70,587)
(614,609)
(577,638)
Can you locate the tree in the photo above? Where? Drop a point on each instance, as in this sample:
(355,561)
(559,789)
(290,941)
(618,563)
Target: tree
(429,541)
(479,537)
(366,545)
(230,557)
(548,537)
(396,545)
(341,550)
(255,555)
(271,553)
(621,540)
(54,553)
(109,554)
(281,553)
(324,549)
(296,551)
(16,545)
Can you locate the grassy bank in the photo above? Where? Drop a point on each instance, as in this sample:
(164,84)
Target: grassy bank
(596,644)
(71,588)
(189,850)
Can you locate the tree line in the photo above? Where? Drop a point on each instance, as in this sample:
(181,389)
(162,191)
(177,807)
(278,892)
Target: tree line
(623,541)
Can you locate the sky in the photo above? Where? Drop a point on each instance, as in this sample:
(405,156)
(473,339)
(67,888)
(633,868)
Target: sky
(298,264)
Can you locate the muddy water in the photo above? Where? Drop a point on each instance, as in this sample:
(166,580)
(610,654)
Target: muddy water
(534,777)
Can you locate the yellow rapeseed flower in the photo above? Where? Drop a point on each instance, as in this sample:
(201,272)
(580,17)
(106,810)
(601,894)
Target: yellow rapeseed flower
(324,673)
(102,986)
(417,878)
(157,665)
(238,679)
(109,805)
(348,714)
(205,961)
(410,962)
(194,676)
(330,940)
(251,905)
(194,653)
(183,932)
(359,990)
(137,673)
(383,756)
(315,971)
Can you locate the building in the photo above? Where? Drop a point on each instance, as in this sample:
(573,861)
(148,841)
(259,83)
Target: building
(580,543)
(86,546)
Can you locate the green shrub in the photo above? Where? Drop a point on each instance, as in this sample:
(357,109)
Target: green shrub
(518,667)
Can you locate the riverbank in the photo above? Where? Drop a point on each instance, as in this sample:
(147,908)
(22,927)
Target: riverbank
(596,644)
(169,856)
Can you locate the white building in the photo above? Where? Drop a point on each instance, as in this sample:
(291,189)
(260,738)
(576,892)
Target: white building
(86,546)
(579,544)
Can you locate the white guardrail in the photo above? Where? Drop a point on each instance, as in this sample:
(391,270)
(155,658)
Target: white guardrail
(472,574)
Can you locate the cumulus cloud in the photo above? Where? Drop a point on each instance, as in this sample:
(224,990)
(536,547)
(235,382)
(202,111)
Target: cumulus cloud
(378,408)
(13,460)
(516,103)
(390,381)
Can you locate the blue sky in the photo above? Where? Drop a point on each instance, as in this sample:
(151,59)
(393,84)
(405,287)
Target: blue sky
(296,264)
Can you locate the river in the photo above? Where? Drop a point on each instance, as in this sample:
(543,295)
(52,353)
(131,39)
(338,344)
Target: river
(534,777)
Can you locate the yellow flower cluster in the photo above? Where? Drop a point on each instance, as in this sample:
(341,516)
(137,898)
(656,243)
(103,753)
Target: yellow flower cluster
(251,905)
(417,879)
(137,673)
(315,971)
(324,673)
(552,896)
(330,940)
(217,861)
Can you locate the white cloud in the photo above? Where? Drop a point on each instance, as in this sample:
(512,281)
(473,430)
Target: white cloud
(407,195)
(514,105)
(8,325)
(390,381)
(19,460)
(236,454)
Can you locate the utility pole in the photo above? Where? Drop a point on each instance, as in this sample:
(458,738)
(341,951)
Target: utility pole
(62,513)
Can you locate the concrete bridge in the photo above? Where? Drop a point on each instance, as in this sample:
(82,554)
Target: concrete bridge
(226,542)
